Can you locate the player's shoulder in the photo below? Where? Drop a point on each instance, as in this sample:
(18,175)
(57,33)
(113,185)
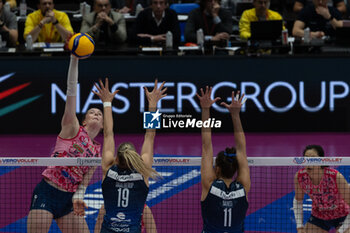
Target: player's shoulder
(331,171)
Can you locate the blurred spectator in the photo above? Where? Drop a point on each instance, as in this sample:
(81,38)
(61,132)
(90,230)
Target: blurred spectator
(230,5)
(154,22)
(12,3)
(128,6)
(260,12)
(339,4)
(47,24)
(104,25)
(215,21)
(8,25)
(320,18)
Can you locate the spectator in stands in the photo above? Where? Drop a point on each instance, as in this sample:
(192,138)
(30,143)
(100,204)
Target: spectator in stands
(154,22)
(229,5)
(260,12)
(320,18)
(299,5)
(104,25)
(47,24)
(12,3)
(128,6)
(215,21)
(8,25)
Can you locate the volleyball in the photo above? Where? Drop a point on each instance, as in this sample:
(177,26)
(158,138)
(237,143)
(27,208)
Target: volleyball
(81,45)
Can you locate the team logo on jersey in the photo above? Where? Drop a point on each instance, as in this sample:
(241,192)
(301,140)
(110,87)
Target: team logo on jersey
(121,215)
(151,120)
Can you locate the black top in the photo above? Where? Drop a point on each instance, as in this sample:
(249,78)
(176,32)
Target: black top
(119,4)
(309,2)
(224,209)
(316,22)
(198,19)
(124,194)
(145,23)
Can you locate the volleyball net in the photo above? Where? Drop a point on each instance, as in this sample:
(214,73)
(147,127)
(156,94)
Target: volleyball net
(174,200)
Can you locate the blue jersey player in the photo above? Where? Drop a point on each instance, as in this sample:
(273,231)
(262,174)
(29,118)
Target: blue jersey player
(224,200)
(125,177)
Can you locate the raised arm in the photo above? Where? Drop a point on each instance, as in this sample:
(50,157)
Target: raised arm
(79,205)
(234,109)
(207,170)
(70,123)
(108,142)
(148,219)
(153,97)
(298,205)
(344,190)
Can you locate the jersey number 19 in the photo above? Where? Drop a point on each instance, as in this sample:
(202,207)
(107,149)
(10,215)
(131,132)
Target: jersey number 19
(123,197)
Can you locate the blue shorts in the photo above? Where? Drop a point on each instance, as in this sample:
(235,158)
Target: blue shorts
(326,224)
(47,197)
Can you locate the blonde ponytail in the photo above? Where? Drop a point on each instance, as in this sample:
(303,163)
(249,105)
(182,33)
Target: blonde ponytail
(129,158)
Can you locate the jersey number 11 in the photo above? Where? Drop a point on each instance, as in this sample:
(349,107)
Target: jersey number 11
(227,217)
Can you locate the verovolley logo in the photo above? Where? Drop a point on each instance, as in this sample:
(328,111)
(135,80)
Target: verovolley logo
(11,91)
(317,160)
(326,161)
(299,160)
(19,161)
(171,161)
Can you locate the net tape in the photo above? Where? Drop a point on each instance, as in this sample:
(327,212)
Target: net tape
(177,161)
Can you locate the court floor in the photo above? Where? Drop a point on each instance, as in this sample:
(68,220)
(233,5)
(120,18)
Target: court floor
(174,200)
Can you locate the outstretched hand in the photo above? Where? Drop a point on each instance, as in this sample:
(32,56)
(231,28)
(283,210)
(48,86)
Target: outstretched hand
(156,94)
(79,207)
(205,99)
(103,91)
(236,104)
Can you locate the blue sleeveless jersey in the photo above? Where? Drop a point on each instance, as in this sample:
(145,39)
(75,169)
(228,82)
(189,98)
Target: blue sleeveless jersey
(224,209)
(124,193)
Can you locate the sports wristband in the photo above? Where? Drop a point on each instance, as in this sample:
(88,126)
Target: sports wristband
(345,225)
(298,212)
(107,104)
(40,25)
(330,19)
(55,23)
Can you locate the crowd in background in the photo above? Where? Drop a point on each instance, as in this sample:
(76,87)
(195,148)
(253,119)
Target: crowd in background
(49,21)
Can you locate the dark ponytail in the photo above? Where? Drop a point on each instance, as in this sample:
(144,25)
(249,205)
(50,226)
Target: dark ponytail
(227,162)
(317,148)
